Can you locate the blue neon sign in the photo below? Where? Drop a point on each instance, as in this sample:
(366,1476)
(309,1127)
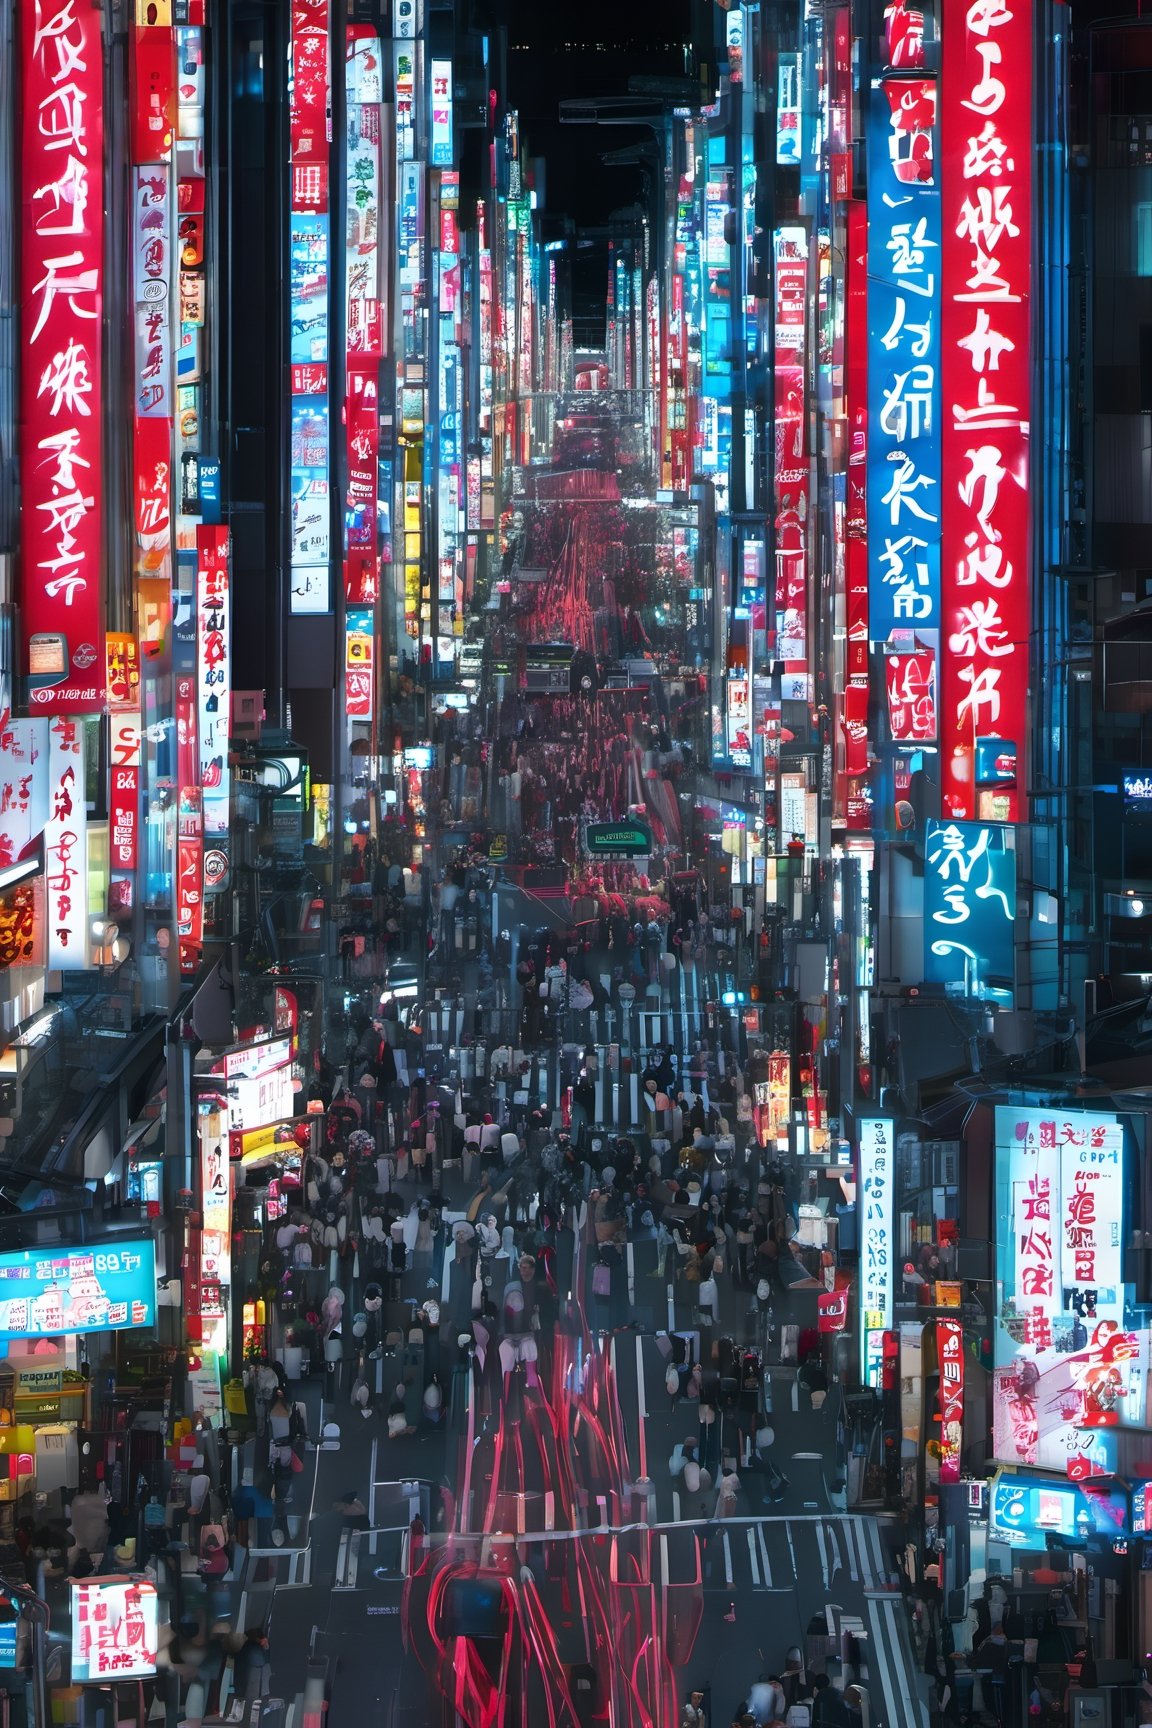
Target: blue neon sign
(903,359)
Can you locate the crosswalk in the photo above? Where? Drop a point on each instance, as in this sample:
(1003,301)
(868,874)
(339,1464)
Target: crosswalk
(783,1572)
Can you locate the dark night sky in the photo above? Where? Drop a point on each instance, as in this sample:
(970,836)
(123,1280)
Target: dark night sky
(580,48)
(565,48)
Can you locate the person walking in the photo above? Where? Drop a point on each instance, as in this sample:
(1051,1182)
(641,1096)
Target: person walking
(693,1715)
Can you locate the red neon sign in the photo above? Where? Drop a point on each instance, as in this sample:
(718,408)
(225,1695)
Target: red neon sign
(986,127)
(61,290)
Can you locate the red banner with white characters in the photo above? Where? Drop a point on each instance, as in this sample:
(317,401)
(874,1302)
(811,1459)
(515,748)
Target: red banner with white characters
(790,276)
(124,791)
(950,1362)
(62,271)
(362,432)
(986,134)
(153,92)
(910,681)
(832,1308)
(309,123)
(853,803)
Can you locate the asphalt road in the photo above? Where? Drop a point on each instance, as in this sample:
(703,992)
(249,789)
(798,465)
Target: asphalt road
(787,1555)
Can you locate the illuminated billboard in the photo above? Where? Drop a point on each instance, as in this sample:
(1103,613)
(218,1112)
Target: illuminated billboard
(969,907)
(986,264)
(1070,1359)
(115,1624)
(877,1216)
(111,1288)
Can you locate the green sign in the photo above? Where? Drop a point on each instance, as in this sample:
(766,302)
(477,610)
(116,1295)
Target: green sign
(617,840)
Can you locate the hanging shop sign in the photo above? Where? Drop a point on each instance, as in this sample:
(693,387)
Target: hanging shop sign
(950,1366)
(986,263)
(311,507)
(910,683)
(215,1200)
(62,275)
(362,433)
(310,110)
(124,790)
(66,849)
(904,359)
(970,907)
(115,1629)
(441,113)
(877,1218)
(153,277)
(45,1292)
(154,103)
(788,110)
(213,674)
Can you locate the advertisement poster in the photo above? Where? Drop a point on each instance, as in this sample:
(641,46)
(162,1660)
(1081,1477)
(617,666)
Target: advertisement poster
(124,790)
(114,1629)
(358,666)
(311,506)
(308,289)
(986,265)
(61,291)
(970,908)
(23,786)
(1070,1361)
(104,1289)
(877,1210)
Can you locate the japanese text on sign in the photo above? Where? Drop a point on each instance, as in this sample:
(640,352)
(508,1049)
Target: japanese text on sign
(987,241)
(61,288)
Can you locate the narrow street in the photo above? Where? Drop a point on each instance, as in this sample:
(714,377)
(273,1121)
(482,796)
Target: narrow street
(565,1565)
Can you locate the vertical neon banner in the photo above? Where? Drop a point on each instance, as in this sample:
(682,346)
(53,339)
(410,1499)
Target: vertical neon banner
(904,359)
(986,126)
(61,291)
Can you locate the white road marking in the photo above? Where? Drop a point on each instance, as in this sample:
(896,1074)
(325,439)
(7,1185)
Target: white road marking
(752,1560)
(764,1557)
